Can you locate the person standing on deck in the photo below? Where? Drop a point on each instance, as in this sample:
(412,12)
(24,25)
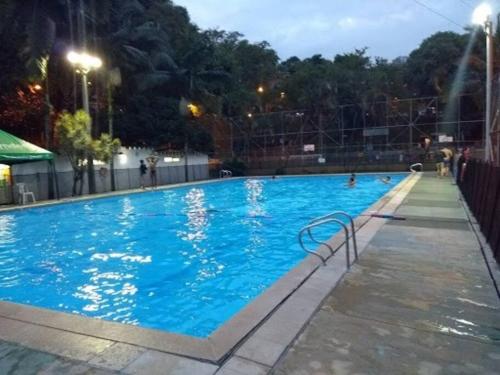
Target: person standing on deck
(448,156)
(466,156)
(152,161)
(142,170)
(439,163)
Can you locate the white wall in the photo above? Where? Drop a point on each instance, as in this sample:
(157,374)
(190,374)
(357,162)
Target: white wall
(128,159)
(126,171)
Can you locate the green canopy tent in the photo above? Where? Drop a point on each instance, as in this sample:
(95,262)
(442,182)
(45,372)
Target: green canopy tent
(14,150)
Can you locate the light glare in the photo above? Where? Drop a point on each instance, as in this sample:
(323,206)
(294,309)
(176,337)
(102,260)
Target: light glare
(122,158)
(73,57)
(84,60)
(481,14)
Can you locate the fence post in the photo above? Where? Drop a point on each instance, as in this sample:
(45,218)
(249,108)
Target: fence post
(483,189)
(493,201)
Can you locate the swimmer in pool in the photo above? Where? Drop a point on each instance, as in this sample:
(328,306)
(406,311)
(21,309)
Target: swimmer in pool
(352,181)
(386,179)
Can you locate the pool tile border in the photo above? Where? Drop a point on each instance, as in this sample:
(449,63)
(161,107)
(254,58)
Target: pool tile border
(270,321)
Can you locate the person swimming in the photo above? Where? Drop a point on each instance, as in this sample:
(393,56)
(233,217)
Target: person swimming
(352,180)
(386,179)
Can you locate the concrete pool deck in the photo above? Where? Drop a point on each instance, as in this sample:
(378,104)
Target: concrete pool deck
(41,348)
(419,301)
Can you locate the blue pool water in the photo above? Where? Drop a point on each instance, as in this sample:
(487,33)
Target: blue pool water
(183,260)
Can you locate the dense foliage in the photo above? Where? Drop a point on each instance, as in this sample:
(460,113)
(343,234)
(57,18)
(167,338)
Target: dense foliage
(163,59)
(76,143)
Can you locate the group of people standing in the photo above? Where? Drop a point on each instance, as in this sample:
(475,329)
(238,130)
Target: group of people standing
(443,162)
(152,160)
(446,157)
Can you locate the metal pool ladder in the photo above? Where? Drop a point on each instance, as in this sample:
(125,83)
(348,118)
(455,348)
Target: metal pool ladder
(330,218)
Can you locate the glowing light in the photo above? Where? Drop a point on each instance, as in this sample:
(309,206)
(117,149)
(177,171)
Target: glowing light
(249,115)
(33,89)
(123,158)
(481,14)
(73,57)
(194,109)
(84,61)
(260,89)
(170,159)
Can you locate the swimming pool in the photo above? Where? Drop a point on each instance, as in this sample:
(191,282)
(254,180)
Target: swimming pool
(182,260)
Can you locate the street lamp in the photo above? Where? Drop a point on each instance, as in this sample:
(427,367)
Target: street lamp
(83,64)
(186,112)
(482,17)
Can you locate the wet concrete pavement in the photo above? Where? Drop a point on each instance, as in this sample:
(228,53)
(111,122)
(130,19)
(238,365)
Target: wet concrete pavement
(420,300)
(19,360)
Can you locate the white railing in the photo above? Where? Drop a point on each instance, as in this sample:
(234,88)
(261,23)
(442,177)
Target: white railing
(330,218)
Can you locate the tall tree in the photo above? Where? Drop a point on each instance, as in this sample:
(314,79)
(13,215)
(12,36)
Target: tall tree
(431,66)
(76,143)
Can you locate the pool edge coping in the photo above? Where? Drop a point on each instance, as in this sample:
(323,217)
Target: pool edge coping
(223,341)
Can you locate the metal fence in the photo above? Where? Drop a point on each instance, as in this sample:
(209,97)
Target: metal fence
(124,179)
(481,189)
(377,132)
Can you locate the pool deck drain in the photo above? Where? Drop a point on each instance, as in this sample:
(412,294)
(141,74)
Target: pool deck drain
(347,331)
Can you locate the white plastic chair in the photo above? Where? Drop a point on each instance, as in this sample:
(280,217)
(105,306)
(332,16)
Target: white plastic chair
(25,194)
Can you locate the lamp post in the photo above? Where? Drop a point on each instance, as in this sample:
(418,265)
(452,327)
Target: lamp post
(83,64)
(185,113)
(114,79)
(482,16)
(189,111)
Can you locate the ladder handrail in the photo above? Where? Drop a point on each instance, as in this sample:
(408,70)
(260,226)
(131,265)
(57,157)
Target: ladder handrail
(317,223)
(318,242)
(353,231)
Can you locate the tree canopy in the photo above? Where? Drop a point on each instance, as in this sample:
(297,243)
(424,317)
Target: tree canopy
(76,143)
(164,59)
